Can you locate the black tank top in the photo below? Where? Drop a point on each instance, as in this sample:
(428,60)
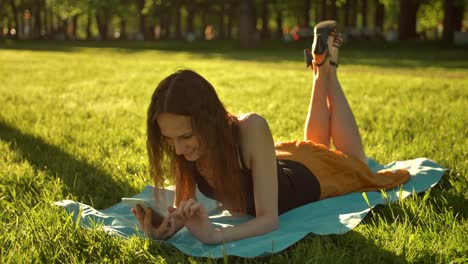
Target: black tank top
(297,185)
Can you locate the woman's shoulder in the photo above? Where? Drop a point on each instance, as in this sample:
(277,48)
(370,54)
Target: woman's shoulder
(254,134)
(249,120)
(252,125)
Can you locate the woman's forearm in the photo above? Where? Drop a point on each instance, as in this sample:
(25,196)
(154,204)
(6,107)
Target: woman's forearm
(254,227)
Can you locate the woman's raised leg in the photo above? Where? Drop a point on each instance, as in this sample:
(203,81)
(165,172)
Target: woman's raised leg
(317,125)
(343,128)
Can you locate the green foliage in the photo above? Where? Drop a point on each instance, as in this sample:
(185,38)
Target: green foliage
(72,126)
(430,14)
(391,13)
(68,8)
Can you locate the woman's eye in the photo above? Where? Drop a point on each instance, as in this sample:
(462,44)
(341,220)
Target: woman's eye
(187,137)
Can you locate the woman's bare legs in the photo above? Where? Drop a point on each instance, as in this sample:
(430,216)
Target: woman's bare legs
(317,125)
(343,128)
(330,116)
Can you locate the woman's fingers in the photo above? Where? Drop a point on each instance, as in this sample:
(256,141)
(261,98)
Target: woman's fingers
(163,230)
(188,208)
(140,215)
(147,226)
(185,210)
(180,208)
(196,208)
(144,217)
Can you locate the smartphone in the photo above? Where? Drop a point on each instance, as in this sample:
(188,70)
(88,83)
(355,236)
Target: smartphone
(158,214)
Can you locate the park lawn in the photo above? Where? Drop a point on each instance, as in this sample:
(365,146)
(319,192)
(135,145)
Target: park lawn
(72,126)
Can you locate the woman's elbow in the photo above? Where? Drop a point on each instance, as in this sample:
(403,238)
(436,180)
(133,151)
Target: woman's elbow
(273,224)
(268,221)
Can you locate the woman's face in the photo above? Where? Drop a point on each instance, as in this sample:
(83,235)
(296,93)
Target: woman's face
(178,132)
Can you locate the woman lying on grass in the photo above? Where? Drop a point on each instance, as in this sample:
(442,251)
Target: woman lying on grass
(193,140)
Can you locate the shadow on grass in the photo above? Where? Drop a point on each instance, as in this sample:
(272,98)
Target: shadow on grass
(90,184)
(450,193)
(442,198)
(405,55)
(351,247)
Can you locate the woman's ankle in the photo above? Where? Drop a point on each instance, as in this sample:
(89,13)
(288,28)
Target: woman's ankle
(332,72)
(321,73)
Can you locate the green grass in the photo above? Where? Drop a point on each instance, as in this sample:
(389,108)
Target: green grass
(72,126)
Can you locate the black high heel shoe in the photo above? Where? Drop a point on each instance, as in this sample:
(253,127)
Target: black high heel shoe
(320,44)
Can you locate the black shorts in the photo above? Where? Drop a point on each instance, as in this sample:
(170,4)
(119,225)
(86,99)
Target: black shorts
(297,185)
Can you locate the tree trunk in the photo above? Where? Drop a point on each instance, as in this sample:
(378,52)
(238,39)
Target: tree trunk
(166,20)
(353,13)
(123,29)
(74,26)
(458,17)
(190,16)
(157,20)
(231,14)
(64,27)
(324,14)
(22,24)
(37,27)
(307,13)
(178,17)
(347,14)
(254,15)
(407,19)
(102,24)
(364,13)
(141,19)
(88,24)
(54,22)
(204,23)
(10,26)
(447,34)
(246,29)
(169,20)
(279,24)
(333,12)
(265,32)
(222,13)
(317,12)
(14,9)
(46,20)
(150,32)
(453,16)
(379,16)
(162,24)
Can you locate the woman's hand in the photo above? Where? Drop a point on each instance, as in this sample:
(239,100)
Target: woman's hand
(194,216)
(164,231)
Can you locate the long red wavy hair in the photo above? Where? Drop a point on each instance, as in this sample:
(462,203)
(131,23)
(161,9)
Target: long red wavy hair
(187,93)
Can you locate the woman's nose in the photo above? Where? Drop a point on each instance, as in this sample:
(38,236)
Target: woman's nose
(179,148)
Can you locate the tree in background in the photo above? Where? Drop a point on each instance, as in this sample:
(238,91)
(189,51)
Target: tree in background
(379,15)
(248,19)
(430,16)
(264,32)
(14,10)
(278,11)
(191,7)
(408,18)
(247,23)
(453,16)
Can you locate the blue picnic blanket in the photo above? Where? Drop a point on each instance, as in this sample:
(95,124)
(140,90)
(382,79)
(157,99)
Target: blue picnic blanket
(336,215)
